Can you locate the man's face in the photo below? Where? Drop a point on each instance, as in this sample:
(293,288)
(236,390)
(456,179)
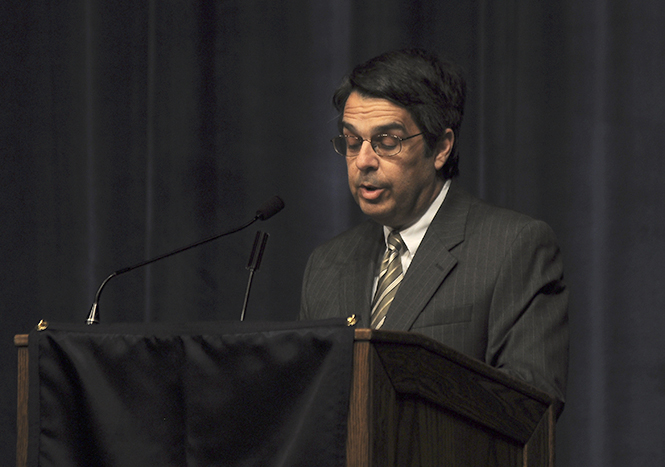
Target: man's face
(396,190)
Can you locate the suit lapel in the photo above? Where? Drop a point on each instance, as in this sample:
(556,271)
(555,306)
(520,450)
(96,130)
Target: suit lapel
(432,262)
(358,274)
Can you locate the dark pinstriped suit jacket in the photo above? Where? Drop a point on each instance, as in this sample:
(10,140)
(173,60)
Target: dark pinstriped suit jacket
(485,281)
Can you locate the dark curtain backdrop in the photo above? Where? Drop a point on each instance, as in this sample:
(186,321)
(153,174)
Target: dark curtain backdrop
(132,128)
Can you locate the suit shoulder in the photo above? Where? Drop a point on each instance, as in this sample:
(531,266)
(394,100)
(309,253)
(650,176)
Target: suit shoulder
(347,242)
(484,216)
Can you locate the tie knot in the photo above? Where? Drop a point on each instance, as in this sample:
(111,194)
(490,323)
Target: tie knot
(395,241)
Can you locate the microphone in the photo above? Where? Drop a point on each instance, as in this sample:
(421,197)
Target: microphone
(269,209)
(253,265)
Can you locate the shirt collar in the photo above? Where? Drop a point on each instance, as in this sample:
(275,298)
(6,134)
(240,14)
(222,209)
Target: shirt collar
(414,234)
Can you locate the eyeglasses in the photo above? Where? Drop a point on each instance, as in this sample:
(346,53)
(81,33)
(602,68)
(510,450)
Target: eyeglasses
(383,145)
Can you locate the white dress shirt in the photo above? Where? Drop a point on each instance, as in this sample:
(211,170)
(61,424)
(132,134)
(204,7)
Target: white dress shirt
(414,234)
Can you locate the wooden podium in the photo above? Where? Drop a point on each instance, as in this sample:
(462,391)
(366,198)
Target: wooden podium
(415,402)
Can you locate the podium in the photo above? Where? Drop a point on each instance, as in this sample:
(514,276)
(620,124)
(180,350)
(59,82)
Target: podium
(411,402)
(416,402)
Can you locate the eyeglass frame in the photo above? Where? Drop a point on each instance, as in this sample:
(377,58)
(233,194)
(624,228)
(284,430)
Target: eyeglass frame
(373,146)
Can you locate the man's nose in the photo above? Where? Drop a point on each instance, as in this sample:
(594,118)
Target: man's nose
(367,159)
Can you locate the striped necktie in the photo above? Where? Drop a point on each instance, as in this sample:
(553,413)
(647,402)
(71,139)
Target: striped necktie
(390,277)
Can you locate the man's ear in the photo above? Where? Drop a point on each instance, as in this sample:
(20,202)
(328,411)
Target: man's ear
(443,149)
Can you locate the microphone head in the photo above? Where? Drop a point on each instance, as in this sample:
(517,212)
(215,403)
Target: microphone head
(270,208)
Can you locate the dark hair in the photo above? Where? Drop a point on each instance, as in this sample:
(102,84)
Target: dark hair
(431,89)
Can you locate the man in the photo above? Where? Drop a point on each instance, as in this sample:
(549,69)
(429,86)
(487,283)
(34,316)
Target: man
(433,259)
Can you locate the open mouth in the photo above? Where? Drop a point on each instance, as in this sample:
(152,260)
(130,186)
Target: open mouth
(369,191)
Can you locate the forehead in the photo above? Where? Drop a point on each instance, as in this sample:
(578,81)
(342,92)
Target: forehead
(371,114)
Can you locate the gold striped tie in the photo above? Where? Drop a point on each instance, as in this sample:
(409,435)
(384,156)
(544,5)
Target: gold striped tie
(389,279)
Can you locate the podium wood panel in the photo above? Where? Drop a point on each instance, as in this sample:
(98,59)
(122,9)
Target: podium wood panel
(416,402)
(21,342)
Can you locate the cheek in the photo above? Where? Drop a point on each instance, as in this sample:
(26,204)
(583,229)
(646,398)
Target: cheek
(398,175)
(406,183)
(350,171)
(351,176)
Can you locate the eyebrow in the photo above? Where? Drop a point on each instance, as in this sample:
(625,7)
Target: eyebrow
(378,130)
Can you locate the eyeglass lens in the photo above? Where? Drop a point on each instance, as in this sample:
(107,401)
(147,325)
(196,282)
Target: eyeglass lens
(383,145)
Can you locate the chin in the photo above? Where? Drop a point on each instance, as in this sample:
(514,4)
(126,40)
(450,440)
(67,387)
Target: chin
(378,215)
(380,211)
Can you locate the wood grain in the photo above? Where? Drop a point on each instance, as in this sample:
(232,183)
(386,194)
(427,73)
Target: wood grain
(21,342)
(426,404)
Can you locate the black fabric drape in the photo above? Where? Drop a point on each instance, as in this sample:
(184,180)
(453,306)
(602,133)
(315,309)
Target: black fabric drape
(199,394)
(129,130)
